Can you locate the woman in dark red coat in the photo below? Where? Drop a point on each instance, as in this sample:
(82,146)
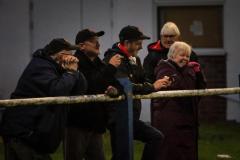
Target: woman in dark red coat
(177,117)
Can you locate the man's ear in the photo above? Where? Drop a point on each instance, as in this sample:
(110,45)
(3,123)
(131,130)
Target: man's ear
(126,43)
(81,46)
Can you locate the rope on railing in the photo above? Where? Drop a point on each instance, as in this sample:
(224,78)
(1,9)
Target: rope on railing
(104,98)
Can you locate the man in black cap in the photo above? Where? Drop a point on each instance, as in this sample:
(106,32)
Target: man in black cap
(33,132)
(130,43)
(87,123)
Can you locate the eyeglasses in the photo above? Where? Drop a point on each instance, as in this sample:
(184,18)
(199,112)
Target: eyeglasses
(169,36)
(92,42)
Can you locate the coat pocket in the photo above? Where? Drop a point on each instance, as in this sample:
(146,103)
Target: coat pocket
(48,133)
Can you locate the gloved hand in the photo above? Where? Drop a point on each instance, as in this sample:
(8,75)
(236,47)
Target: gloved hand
(195,66)
(112,91)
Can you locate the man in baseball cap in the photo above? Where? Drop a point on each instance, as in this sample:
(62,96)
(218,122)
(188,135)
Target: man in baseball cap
(87,34)
(87,123)
(59,44)
(131,33)
(37,131)
(131,38)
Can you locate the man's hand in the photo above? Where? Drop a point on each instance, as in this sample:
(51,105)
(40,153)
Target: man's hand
(162,83)
(68,62)
(111,91)
(116,60)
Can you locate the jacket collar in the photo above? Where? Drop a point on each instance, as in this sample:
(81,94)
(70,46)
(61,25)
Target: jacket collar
(123,49)
(84,59)
(156,46)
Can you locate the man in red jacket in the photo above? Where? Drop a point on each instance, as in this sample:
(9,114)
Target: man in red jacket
(130,43)
(158,50)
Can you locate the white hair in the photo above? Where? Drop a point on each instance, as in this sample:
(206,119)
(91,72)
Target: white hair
(176,46)
(170,28)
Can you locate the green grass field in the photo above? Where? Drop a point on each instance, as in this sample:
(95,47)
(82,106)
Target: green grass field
(222,138)
(217,138)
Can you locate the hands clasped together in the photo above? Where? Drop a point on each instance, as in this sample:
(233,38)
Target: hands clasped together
(67,61)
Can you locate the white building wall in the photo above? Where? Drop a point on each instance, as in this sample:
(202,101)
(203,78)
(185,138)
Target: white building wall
(14,42)
(135,12)
(64,18)
(55,19)
(138,13)
(97,16)
(232,47)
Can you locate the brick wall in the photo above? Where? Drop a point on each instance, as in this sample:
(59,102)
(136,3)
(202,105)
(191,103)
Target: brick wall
(213,108)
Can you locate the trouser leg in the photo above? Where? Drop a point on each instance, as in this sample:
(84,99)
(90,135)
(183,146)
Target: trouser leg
(75,144)
(95,147)
(81,144)
(17,150)
(151,136)
(112,131)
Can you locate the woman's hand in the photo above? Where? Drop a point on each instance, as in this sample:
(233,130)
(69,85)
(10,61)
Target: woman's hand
(162,83)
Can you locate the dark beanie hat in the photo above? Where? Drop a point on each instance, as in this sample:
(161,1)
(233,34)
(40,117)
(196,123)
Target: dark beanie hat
(131,33)
(87,34)
(57,45)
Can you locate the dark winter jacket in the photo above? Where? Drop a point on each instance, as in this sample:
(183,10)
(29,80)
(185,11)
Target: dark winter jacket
(177,117)
(156,52)
(93,116)
(43,77)
(134,72)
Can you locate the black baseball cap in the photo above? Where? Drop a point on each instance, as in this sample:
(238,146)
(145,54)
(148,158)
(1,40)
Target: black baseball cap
(59,44)
(87,34)
(131,33)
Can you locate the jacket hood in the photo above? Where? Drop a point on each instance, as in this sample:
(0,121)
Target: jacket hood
(162,65)
(115,49)
(156,46)
(39,53)
(159,66)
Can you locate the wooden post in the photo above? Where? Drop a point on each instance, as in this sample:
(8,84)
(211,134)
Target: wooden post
(239,84)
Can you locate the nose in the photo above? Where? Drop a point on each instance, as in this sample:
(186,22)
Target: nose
(169,38)
(186,58)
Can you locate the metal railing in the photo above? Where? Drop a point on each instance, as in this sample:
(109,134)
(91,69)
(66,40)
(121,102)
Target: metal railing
(105,98)
(124,108)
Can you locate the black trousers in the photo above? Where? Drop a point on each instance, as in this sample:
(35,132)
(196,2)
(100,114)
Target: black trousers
(16,149)
(143,132)
(81,144)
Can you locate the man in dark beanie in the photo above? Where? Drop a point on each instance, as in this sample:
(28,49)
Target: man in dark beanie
(87,123)
(130,43)
(33,132)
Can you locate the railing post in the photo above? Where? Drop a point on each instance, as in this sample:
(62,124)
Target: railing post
(239,84)
(124,124)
